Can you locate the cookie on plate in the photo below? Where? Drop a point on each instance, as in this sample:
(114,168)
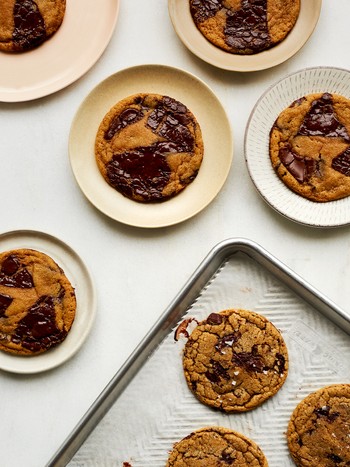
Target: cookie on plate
(235,360)
(37,302)
(25,24)
(216,447)
(244,26)
(149,147)
(310,147)
(319,428)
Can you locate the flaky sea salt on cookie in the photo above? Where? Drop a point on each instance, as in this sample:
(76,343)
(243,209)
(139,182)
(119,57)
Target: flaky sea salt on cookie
(37,302)
(149,147)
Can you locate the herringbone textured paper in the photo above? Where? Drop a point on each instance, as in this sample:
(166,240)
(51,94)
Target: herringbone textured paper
(157,409)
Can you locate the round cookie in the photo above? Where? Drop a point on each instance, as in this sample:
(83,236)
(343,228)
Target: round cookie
(244,26)
(149,147)
(319,429)
(235,360)
(216,447)
(310,147)
(25,24)
(37,302)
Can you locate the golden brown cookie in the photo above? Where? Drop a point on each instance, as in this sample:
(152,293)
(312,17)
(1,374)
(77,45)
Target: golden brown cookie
(216,447)
(310,147)
(244,26)
(25,24)
(37,302)
(319,429)
(235,360)
(149,147)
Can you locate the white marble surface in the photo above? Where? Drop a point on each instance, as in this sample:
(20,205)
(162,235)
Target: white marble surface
(137,272)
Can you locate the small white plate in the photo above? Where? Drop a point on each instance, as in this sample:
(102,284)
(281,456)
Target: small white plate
(80,278)
(216,132)
(83,36)
(263,116)
(194,40)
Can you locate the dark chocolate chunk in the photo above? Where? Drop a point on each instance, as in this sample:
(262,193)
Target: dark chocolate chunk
(326,413)
(5,302)
(341,163)
(127,117)
(143,171)
(251,361)
(227,341)
(37,330)
(247,28)
(321,120)
(204,9)
(215,318)
(29,26)
(13,275)
(302,168)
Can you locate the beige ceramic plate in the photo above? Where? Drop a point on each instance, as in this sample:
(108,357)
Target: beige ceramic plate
(84,34)
(262,118)
(80,279)
(218,145)
(197,44)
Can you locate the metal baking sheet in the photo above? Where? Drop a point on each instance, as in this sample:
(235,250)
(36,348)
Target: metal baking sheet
(147,406)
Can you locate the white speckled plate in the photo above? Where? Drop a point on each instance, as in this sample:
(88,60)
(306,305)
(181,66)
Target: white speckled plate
(191,37)
(80,278)
(85,32)
(217,139)
(265,112)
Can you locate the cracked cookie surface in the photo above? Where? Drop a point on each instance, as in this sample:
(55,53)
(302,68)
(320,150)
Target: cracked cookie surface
(319,428)
(216,447)
(149,147)
(244,26)
(37,302)
(25,24)
(310,147)
(235,360)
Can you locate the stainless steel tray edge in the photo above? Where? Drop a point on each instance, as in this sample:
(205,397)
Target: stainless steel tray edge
(173,313)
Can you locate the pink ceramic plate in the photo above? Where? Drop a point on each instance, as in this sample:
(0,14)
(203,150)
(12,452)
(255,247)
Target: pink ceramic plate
(83,36)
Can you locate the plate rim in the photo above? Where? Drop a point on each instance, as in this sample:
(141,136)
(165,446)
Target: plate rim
(37,92)
(168,68)
(54,363)
(313,224)
(242,68)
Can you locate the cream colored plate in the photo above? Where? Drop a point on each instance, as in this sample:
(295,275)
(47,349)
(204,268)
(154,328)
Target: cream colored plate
(84,34)
(263,116)
(80,279)
(216,131)
(197,44)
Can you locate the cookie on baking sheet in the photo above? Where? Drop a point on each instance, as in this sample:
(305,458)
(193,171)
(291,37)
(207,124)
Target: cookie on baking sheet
(149,147)
(244,26)
(310,147)
(319,428)
(235,360)
(25,24)
(37,302)
(216,447)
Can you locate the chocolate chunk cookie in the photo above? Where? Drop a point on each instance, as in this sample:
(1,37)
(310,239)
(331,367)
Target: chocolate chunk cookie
(149,147)
(319,428)
(310,147)
(25,24)
(244,26)
(216,447)
(235,360)
(37,302)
